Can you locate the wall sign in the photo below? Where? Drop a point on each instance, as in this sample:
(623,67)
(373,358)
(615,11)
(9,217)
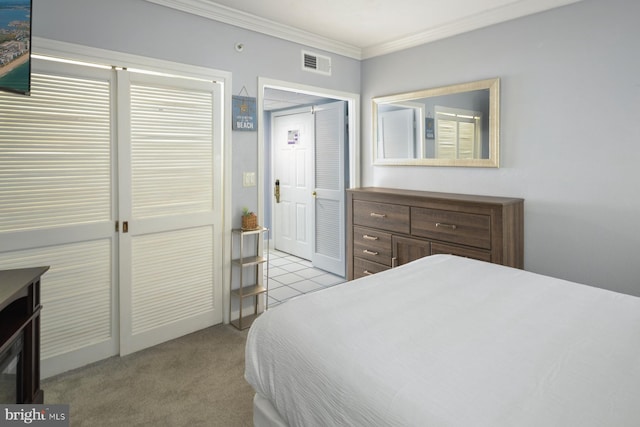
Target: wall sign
(243,113)
(293,137)
(429,129)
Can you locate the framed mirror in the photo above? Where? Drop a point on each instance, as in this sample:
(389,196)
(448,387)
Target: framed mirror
(455,125)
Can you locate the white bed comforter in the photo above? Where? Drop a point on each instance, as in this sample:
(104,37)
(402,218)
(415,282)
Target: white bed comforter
(447,341)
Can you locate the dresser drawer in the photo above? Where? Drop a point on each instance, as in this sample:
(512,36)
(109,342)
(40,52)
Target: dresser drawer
(455,227)
(363,267)
(386,216)
(372,244)
(442,248)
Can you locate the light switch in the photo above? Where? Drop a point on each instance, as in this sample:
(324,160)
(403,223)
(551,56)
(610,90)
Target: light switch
(248,179)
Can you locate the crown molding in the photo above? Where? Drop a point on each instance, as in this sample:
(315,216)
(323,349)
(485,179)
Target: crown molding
(471,23)
(227,15)
(211,10)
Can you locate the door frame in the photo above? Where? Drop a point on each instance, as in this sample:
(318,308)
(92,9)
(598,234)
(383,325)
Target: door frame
(353,123)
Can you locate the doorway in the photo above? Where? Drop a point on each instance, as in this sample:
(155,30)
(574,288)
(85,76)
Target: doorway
(293,102)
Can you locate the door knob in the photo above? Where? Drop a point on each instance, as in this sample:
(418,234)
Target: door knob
(314,194)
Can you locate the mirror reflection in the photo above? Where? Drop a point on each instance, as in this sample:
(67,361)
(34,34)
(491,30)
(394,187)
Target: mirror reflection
(449,126)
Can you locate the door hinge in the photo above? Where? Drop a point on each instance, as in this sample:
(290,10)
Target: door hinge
(117,226)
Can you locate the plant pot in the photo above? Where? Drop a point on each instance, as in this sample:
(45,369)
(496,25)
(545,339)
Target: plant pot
(249,222)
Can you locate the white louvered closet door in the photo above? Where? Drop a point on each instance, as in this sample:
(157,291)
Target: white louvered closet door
(56,193)
(169,161)
(329,210)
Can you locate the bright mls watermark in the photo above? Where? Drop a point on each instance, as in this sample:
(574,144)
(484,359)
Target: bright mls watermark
(34,415)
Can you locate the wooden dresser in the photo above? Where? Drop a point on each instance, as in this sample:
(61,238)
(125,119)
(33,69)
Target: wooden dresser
(390,227)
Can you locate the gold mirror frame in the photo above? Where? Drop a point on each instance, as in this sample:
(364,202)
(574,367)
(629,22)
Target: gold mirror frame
(493,160)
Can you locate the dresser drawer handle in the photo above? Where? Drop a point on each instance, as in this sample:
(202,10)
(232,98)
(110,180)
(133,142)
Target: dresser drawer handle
(367,237)
(368,252)
(367,273)
(377,215)
(451,226)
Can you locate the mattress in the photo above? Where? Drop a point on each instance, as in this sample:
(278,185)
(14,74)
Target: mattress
(448,341)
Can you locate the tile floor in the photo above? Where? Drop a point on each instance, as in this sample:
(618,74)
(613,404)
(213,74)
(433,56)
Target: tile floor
(290,276)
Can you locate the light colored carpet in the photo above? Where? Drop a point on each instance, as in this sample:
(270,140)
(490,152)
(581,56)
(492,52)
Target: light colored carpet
(195,380)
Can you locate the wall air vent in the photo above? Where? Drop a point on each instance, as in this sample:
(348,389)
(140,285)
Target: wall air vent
(316,63)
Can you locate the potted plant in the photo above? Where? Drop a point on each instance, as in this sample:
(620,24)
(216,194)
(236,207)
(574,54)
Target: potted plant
(249,219)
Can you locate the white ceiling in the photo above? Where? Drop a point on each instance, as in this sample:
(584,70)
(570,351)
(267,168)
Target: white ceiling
(362,28)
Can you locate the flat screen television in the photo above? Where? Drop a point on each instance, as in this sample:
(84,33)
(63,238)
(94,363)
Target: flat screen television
(15,46)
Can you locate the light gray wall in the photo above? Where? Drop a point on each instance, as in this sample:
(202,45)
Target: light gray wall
(570,109)
(142,28)
(570,132)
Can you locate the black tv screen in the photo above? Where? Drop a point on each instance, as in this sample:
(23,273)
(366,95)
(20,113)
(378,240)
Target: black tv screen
(15,46)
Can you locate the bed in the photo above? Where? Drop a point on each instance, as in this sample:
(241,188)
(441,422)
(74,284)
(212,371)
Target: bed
(448,341)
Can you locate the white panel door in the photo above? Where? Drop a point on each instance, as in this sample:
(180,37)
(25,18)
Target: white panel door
(170,185)
(329,207)
(292,139)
